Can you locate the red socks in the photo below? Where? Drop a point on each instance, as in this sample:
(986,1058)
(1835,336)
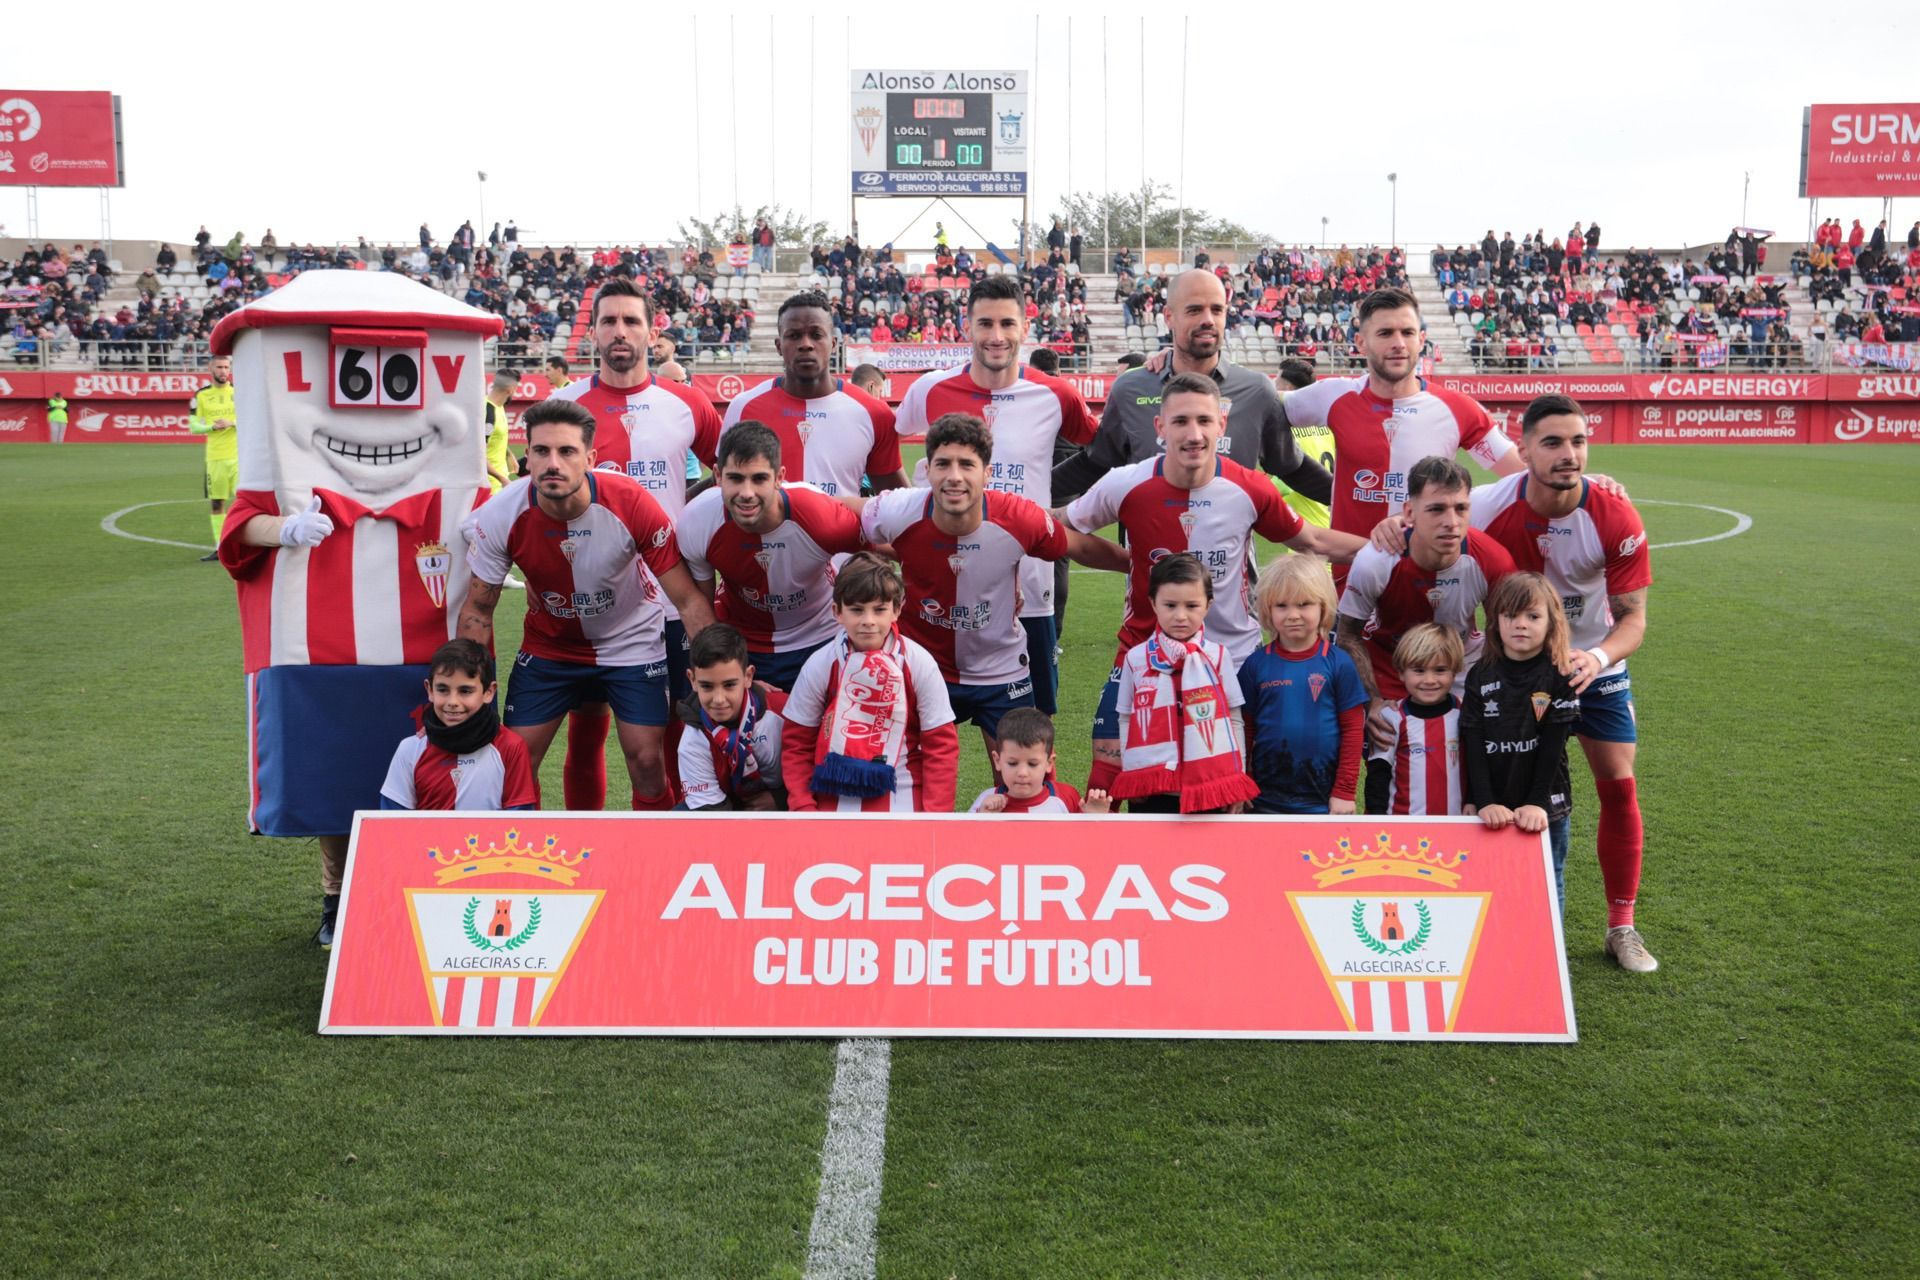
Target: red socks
(653,804)
(1621,842)
(585,774)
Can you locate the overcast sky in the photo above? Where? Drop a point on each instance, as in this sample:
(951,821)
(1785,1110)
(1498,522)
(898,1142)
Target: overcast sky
(1643,116)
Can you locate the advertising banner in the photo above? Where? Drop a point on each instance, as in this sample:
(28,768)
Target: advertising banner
(821,924)
(939,133)
(1860,149)
(1869,424)
(53,138)
(1650,422)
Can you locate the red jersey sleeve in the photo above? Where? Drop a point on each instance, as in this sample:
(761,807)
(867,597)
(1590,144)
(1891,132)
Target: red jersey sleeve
(1077,423)
(647,521)
(1038,533)
(832,524)
(238,556)
(518,789)
(884,458)
(1629,560)
(1273,519)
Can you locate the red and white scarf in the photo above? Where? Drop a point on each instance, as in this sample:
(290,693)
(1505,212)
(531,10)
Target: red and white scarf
(1177,737)
(863,736)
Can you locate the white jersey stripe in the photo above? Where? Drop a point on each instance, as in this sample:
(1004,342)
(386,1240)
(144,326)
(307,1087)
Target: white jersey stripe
(376,592)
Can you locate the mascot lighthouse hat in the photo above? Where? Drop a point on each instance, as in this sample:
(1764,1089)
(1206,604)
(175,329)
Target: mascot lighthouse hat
(360,411)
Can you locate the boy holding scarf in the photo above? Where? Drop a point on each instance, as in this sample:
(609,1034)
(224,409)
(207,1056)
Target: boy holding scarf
(462,757)
(869,725)
(730,753)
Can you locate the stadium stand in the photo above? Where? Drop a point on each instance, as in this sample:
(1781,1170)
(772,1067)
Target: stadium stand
(1495,305)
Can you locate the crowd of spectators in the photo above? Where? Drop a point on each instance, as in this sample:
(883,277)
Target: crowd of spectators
(56,305)
(881,300)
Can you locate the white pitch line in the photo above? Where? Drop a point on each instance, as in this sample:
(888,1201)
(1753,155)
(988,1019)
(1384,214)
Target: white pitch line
(112,524)
(842,1240)
(1741,522)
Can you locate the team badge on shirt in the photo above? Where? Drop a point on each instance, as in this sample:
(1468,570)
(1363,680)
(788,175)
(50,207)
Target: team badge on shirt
(1315,683)
(1187,521)
(956,562)
(432,561)
(764,558)
(1436,596)
(1540,701)
(567,546)
(1545,543)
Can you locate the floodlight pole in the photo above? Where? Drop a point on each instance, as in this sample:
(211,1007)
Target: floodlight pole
(1323,231)
(1393,216)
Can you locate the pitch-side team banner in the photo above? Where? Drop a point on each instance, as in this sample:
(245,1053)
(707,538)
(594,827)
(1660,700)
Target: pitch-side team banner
(53,138)
(736,924)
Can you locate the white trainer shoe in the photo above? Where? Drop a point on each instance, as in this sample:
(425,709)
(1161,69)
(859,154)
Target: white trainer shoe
(1629,950)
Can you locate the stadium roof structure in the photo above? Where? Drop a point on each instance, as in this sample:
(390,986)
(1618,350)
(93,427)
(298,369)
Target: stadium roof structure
(376,299)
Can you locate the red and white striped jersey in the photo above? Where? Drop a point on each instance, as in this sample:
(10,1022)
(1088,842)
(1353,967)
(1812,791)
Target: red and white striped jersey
(1216,522)
(1425,761)
(928,708)
(1376,442)
(1599,550)
(646,432)
(776,587)
(1392,595)
(383,589)
(590,599)
(1025,419)
(960,590)
(497,776)
(829,442)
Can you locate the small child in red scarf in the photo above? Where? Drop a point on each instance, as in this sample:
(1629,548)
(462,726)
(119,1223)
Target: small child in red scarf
(1179,700)
(869,725)
(730,753)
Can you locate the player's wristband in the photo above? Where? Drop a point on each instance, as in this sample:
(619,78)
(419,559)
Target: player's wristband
(1600,656)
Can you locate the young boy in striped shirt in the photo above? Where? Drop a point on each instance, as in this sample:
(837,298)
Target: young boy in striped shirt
(1420,773)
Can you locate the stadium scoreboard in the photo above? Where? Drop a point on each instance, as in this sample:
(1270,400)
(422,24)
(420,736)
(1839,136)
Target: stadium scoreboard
(940,133)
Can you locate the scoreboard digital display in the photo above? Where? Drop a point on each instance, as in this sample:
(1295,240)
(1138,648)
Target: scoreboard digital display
(939,133)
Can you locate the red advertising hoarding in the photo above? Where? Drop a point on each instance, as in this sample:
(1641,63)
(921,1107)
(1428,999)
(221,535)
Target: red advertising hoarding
(55,138)
(955,924)
(1860,149)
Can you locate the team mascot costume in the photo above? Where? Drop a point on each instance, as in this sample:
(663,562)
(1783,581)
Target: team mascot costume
(358,399)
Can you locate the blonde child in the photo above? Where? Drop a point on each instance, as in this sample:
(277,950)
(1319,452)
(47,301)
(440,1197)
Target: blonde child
(1306,710)
(1520,708)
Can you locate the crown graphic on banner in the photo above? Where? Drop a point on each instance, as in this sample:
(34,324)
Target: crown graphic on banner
(546,861)
(1347,863)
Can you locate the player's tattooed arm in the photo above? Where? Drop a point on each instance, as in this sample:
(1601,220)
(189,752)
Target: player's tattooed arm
(1095,552)
(1350,638)
(476,612)
(696,614)
(1629,632)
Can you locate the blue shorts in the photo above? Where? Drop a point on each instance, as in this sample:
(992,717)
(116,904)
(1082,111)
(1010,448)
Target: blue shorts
(1606,710)
(781,669)
(319,741)
(542,690)
(984,704)
(1042,635)
(1106,716)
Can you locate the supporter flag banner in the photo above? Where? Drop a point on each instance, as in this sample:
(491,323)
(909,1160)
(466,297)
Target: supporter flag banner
(55,138)
(1860,149)
(1886,355)
(901,925)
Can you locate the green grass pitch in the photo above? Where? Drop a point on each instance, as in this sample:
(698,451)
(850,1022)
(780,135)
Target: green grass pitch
(1750,1110)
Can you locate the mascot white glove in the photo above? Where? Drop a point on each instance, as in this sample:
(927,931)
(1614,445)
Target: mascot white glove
(308,528)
